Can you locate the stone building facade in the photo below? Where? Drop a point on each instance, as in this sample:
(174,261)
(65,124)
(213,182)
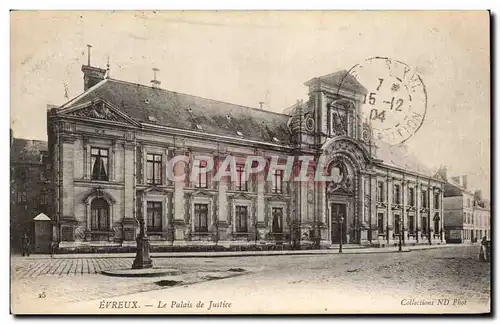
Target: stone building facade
(110,145)
(467,214)
(30,188)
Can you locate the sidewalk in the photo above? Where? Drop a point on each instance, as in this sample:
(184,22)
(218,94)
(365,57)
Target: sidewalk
(349,249)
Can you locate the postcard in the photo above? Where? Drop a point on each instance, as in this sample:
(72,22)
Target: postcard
(250,162)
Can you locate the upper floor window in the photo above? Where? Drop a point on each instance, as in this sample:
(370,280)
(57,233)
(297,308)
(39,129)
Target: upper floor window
(277,181)
(397,194)
(411,196)
(380,192)
(468,202)
(241,181)
(43,197)
(424,198)
(154,168)
(436,200)
(22,197)
(202,179)
(100,163)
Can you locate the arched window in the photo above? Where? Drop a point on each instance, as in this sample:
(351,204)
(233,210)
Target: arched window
(436,223)
(100,215)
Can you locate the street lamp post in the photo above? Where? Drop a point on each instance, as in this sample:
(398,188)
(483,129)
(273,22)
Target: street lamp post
(341,233)
(142,259)
(400,237)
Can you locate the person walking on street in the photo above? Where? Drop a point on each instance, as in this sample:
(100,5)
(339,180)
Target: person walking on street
(26,244)
(53,247)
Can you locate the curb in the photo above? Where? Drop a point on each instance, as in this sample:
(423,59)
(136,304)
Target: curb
(254,254)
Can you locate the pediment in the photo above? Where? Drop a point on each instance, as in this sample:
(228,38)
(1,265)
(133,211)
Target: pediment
(98,109)
(153,190)
(98,192)
(278,198)
(201,193)
(241,196)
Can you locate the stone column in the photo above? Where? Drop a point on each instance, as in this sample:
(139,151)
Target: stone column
(222,192)
(112,164)
(404,187)
(180,169)
(261,187)
(130,214)
(441,214)
(373,208)
(66,170)
(362,218)
(389,218)
(418,221)
(430,223)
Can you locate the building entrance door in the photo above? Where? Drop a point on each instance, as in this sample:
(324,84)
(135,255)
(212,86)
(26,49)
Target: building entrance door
(338,217)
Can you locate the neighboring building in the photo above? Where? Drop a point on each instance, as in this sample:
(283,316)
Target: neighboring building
(466,215)
(109,147)
(481,215)
(29,186)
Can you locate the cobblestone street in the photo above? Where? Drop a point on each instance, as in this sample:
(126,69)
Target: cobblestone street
(449,272)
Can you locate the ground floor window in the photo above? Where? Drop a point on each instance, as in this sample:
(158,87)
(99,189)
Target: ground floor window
(241,219)
(397,224)
(100,215)
(411,224)
(277,214)
(201,218)
(154,212)
(380,223)
(424,225)
(436,224)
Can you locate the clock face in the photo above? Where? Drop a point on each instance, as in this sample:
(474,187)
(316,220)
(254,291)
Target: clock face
(395,101)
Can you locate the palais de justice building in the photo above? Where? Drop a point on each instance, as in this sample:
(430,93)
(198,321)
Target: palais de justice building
(109,147)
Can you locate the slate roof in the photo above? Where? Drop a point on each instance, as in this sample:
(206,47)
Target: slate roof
(168,108)
(399,156)
(177,110)
(27,151)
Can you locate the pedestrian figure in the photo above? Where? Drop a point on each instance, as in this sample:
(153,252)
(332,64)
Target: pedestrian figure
(53,248)
(482,252)
(26,244)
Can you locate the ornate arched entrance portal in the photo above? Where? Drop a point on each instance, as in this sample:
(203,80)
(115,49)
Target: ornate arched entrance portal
(348,189)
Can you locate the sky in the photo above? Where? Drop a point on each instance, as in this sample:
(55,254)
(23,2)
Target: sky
(248,57)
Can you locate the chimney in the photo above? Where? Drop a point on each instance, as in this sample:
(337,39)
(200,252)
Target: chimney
(91,75)
(261,103)
(443,172)
(155,83)
(464,181)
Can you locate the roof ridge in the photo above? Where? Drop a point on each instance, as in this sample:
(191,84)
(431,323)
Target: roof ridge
(195,96)
(83,94)
(29,139)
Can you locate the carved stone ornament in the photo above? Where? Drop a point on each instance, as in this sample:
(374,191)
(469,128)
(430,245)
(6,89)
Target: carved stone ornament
(309,123)
(366,133)
(98,110)
(341,179)
(347,146)
(338,122)
(80,232)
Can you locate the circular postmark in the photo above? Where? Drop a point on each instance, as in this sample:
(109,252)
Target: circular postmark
(394,101)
